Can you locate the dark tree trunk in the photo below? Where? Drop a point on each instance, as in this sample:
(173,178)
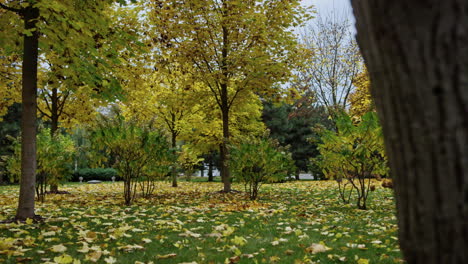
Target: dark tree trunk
(54,126)
(417,56)
(210,169)
(28,117)
(224,149)
(298,171)
(174,169)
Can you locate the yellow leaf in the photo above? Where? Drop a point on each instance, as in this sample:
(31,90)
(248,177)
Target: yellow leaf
(94,256)
(317,248)
(58,248)
(363,261)
(29,221)
(110,260)
(64,259)
(172,255)
(240,241)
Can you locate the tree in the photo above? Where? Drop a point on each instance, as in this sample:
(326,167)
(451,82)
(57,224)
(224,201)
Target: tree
(236,46)
(48,21)
(361,99)
(353,155)
(295,126)
(332,64)
(417,59)
(30,15)
(170,98)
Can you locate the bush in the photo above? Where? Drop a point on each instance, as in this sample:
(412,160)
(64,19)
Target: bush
(142,153)
(258,161)
(100,174)
(353,155)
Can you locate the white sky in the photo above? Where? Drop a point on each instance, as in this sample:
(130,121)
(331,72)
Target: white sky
(325,7)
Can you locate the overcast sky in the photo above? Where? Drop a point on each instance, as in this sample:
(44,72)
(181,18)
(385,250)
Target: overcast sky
(339,7)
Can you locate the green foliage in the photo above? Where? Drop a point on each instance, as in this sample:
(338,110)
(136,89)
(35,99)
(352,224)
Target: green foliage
(258,161)
(293,125)
(353,155)
(100,174)
(142,153)
(54,159)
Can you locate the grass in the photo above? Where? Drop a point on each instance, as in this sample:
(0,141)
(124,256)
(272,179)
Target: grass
(195,223)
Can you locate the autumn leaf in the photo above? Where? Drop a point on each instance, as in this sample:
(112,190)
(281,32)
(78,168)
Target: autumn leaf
(363,261)
(58,248)
(171,255)
(317,248)
(63,259)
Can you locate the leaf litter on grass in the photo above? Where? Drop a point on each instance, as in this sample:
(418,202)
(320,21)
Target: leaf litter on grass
(294,222)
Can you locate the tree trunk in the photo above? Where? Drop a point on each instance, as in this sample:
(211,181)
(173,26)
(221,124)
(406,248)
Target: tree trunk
(298,171)
(174,169)
(224,154)
(224,150)
(417,56)
(54,127)
(28,117)
(210,169)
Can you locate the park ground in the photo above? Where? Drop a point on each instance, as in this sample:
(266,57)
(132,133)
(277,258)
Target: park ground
(293,222)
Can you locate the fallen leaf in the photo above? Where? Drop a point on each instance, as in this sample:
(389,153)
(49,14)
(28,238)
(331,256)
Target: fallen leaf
(316,248)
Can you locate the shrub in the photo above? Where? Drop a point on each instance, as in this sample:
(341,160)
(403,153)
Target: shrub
(142,154)
(353,155)
(54,159)
(100,174)
(258,161)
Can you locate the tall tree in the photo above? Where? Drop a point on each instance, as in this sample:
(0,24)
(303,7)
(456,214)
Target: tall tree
(48,21)
(417,57)
(169,97)
(30,15)
(237,47)
(361,99)
(333,61)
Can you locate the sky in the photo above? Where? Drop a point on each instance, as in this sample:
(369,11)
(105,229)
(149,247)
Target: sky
(326,7)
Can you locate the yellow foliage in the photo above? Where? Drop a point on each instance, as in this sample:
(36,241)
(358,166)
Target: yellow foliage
(361,99)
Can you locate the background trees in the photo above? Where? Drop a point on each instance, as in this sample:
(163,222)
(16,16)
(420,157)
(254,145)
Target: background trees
(236,46)
(417,59)
(297,125)
(333,61)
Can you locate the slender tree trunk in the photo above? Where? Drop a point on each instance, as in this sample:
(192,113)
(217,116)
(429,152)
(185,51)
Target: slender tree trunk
(417,56)
(298,171)
(224,152)
(28,117)
(54,127)
(174,169)
(210,169)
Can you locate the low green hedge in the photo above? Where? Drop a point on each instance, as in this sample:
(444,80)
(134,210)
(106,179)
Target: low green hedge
(100,174)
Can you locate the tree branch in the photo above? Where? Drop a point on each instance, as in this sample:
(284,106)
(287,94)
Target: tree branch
(16,10)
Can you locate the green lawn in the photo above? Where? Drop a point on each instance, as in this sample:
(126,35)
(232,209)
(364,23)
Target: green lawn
(194,223)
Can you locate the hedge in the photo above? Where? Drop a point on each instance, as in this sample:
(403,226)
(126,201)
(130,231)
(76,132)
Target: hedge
(100,174)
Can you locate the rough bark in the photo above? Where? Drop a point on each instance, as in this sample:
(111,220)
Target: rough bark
(28,117)
(417,56)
